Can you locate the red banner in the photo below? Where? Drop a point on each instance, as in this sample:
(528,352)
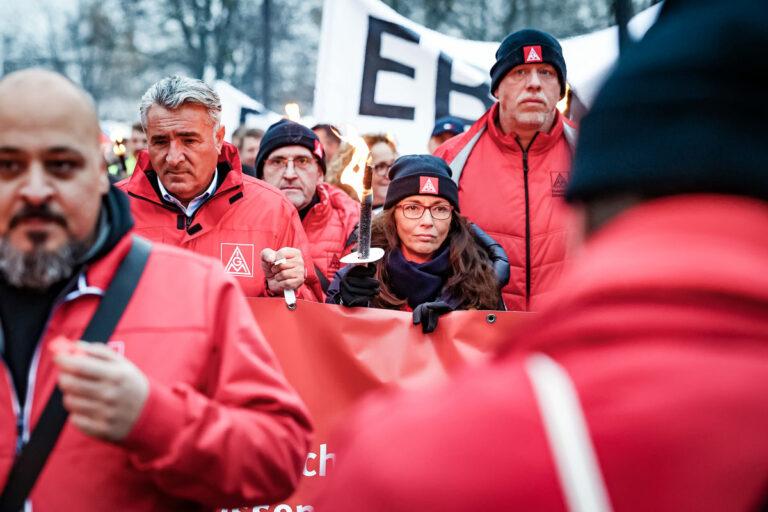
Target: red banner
(333,355)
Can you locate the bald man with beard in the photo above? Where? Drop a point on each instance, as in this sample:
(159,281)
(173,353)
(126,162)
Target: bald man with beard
(132,440)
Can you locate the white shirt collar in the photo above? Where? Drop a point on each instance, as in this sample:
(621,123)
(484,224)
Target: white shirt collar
(194,204)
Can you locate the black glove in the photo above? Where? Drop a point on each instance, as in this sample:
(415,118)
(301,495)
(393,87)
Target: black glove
(358,286)
(428,313)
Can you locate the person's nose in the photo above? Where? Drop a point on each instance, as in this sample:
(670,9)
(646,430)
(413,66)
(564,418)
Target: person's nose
(534,81)
(175,154)
(290,171)
(426,219)
(37,189)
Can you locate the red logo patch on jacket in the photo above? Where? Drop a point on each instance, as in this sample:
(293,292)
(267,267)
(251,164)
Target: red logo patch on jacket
(335,263)
(237,259)
(428,185)
(559,183)
(532,54)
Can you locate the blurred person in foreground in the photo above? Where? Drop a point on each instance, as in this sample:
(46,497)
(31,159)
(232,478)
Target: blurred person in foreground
(435,261)
(189,191)
(642,387)
(445,128)
(292,159)
(512,165)
(184,406)
(383,154)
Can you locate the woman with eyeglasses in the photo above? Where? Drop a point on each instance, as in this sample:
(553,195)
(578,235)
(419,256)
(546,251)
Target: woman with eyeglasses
(383,153)
(435,260)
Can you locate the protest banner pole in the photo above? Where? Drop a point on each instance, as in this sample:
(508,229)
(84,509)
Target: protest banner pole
(623,10)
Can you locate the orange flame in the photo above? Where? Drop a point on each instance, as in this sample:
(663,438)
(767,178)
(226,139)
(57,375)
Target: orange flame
(352,175)
(118,147)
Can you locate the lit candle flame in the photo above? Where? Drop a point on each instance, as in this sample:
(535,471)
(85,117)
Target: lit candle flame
(293,112)
(353,174)
(118,148)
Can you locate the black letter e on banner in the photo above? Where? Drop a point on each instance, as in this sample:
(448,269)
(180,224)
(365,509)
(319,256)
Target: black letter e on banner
(374,63)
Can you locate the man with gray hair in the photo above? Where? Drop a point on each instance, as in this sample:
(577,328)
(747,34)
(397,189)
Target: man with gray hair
(189,191)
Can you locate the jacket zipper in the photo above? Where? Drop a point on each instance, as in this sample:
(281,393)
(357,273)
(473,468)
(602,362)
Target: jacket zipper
(23,414)
(527,223)
(527,234)
(16,410)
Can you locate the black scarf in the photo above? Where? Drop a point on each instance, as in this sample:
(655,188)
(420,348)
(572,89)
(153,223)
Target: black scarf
(418,282)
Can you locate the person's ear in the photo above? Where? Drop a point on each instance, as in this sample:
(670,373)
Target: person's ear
(103,177)
(218,136)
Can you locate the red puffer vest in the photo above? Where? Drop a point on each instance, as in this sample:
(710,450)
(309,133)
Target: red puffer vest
(330,227)
(516,197)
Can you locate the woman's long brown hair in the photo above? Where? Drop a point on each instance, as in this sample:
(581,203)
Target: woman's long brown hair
(472,278)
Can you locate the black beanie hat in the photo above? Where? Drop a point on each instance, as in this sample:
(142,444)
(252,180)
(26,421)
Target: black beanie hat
(684,111)
(528,46)
(414,175)
(288,133)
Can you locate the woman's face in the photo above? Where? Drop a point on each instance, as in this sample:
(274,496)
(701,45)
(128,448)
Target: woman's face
(382,158)
(421,237)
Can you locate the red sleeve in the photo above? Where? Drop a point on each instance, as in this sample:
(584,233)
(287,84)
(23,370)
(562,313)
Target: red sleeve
(294,236)
(243,441)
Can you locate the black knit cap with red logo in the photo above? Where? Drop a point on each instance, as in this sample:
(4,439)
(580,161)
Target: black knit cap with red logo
(288,133)
(673,118)
(528,46)
(421,175)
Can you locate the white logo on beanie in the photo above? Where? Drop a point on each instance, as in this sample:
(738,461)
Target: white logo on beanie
(532,54)
(428,186)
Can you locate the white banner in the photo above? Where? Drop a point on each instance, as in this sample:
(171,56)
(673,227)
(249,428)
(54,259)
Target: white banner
(237,108)
(381,72)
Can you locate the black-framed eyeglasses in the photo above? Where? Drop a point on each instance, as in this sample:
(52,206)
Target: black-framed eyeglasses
(281,163)
(416,211)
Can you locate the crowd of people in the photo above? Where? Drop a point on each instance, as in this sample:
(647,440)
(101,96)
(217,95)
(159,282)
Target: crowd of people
(638,239)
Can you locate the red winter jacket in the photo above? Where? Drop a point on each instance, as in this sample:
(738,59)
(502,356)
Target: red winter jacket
(661,326)
(517,198)
(330,226)
(244,216)
(221,425)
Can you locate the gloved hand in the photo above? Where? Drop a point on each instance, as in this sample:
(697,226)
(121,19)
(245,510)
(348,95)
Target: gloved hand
(359,286)
(428,313)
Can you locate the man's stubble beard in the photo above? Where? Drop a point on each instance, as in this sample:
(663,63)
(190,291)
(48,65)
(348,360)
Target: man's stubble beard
(39,269)
(534,121)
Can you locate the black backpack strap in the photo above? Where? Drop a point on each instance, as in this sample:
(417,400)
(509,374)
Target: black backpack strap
(30,462)
(324,282)
(352,238)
